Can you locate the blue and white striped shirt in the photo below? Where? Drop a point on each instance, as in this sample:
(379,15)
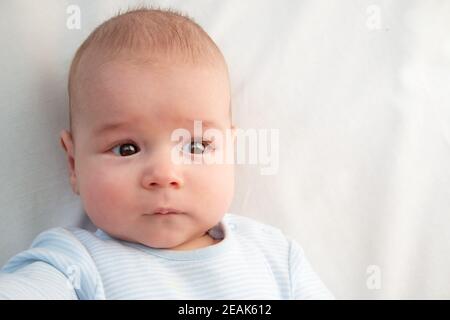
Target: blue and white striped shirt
(253,261)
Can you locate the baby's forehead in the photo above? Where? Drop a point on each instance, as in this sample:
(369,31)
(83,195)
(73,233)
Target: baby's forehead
(178,98)
(125,85)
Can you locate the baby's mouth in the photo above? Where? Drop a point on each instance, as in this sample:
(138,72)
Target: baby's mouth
(166,211)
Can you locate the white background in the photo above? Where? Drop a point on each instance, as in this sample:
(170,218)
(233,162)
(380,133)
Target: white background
(359,91)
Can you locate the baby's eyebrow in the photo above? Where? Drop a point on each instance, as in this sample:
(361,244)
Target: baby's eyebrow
(110,127)
(205,123)
(119,125)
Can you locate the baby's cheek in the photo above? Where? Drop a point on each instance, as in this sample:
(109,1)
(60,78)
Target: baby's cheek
(103,197)
(217,186)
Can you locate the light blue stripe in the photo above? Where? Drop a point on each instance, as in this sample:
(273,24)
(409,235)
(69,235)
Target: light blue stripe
(254,261)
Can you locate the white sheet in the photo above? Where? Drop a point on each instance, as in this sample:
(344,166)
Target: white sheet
(359,91)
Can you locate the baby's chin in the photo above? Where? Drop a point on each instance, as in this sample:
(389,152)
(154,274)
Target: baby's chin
(160,238)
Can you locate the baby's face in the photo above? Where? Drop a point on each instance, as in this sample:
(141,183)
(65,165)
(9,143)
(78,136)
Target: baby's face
(124,174)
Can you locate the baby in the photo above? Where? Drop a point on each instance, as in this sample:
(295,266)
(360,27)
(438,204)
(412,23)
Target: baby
(163,227)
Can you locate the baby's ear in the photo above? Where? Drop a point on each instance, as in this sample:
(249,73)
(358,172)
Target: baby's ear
(65,138)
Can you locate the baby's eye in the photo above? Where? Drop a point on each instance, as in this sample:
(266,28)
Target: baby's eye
(126,148)
(197,147)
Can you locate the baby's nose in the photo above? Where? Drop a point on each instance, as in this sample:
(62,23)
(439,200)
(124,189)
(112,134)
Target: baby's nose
(163,176)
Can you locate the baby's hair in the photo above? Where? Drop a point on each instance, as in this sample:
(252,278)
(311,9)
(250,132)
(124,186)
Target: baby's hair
(145,35)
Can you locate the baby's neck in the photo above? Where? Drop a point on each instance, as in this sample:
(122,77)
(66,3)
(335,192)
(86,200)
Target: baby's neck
(204,241)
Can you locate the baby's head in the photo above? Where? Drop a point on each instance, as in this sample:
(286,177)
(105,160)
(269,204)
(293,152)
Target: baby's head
(138,77)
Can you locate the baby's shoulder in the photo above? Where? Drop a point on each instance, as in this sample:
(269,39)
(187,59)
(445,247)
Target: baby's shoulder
(63,233)
(254,230)
(59,247)
(65,239)
(249,224)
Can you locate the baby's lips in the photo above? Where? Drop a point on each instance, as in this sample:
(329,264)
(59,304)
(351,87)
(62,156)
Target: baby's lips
(166,210)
